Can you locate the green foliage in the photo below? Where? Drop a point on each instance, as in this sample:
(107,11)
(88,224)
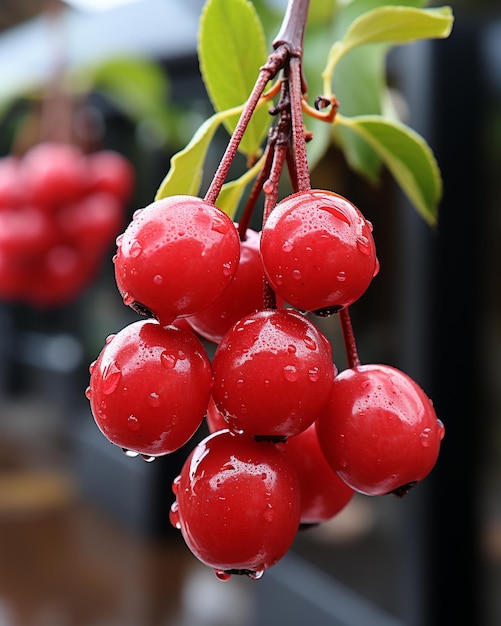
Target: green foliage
(407,156)
(231,49)
(186,166)
(353,38)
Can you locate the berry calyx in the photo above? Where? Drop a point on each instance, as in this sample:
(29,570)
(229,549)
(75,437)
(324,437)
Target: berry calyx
(318,251)
(237,504)
(149,388)
(273,372)
(379,430)
(176,257)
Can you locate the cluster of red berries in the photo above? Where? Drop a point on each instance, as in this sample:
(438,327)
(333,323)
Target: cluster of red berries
(60,209)
(291,438)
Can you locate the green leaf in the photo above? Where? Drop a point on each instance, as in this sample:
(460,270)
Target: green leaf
(231,49)
(407,156)
(186,166)
(391,24)
(399,24)
(231,193)
(359,85)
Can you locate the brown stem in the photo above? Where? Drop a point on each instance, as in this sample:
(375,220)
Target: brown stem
(267,72)
(298,130)
(349,338)
(291,33)
(248,209)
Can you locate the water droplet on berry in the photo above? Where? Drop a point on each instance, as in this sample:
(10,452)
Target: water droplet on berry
(111,377)
(133,422)
(341,277)
(279,279)
(286,246)
(290,373)
(87,393)
(137,213)
(158,279)
(175,484)
(308,250)
(314,374)
(343,463)
(425,437)
(222,575)
(168,360)
(291,349)
(128,299)
(148,458)
(296,274)
(377,267)
(130,453)
(441,429)
(310,343)
(363,245)
(339,213)
(228,268)
(256,575)
(174,515)
(268,514)
(154,399)
(119,240)
(219,224)
(135,249)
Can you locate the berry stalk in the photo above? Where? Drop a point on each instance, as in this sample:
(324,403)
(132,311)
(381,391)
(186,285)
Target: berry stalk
(350,343)
(288,46)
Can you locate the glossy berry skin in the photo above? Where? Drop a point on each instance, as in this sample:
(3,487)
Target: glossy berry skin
(318,251)
(243,296)
(176,257)
(54,173)
(110,172)
(379,431)
(149,387)
(237,504)
(323,493)
(273,373)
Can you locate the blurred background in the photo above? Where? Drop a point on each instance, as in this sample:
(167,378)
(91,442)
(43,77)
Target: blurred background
(85,538)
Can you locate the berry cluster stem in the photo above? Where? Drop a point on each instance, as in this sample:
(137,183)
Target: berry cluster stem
(349,338)
(298,131)
(267,72)
(288,48)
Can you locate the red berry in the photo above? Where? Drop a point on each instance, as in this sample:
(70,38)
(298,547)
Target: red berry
(323,493)
(111,172)
(215,420)
(54,173)
(273,372)
(92,221)
(237,504)
(176,257)
(11,189)
(244,294)
(318,251)
(379,431)
(149,388)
